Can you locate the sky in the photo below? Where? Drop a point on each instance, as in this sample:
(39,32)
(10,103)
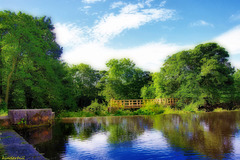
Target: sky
(146,31)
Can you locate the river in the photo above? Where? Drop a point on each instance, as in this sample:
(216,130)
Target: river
(184,136)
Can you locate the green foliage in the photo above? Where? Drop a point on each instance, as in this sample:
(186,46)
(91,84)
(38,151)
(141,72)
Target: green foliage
(219,110)
(33,76)
(150,109)
(22,122)
(192,107)
(148,92)
(3,112)
(3,106)
(3,109)
(236,77)
(85,80)
(199,75)
(96,108)
(123,80)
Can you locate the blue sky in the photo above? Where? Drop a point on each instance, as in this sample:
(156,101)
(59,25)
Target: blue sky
(146,31)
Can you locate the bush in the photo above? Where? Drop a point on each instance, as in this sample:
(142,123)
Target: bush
(96,108)
(219,110)
(150,109)
(3,109)
(192,107)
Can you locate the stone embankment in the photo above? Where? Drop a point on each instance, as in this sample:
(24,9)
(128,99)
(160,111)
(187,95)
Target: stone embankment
(15,147)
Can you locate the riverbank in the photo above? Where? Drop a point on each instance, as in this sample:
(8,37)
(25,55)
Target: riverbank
(13,146)
(142,111)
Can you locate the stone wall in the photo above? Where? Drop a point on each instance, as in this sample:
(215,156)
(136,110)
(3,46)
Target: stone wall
(31,116)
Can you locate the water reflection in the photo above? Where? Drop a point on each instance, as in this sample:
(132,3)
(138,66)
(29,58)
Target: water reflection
(37,135)
(210,133)
(189,136)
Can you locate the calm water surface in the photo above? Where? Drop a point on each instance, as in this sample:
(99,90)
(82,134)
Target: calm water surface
(189,136)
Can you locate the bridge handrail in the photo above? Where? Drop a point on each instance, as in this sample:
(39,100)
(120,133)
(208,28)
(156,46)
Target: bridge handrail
(141,102)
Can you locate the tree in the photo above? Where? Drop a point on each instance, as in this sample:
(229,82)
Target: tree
(236,77)
(29,59)
(85,80)
(201,75)
(148,92)
(123,80)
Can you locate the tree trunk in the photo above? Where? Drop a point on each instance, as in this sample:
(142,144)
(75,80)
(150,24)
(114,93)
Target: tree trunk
(9,81)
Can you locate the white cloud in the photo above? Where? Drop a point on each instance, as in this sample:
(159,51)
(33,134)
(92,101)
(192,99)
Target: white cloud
(117,4)
(162,4)
(148,57)
(69,35)
(148,2)
(92,1)
(130,16)
(201,23)
(230,40)
(85,9)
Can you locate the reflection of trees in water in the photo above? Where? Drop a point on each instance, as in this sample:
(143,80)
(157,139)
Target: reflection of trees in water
(120,129)
(55,145)
(209,134)
(85,128)
(127,129)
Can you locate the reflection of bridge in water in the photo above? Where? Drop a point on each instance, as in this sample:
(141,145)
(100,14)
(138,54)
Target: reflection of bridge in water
(138,103)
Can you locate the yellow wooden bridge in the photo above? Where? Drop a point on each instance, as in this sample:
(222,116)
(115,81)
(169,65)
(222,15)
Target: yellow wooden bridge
(138,103)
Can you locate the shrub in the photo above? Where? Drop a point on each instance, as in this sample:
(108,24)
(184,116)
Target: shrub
(219,110)
(150,109)
(96,108)
(192,107)
(3,109)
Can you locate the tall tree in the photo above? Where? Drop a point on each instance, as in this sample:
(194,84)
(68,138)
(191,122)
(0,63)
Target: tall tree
(29,57)
(123,80)
(202,75)
(85,80)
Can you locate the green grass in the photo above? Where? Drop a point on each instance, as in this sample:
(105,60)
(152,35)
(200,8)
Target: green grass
(224,110)
(3,112)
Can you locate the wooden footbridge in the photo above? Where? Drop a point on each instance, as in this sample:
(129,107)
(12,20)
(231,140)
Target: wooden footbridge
(138,103)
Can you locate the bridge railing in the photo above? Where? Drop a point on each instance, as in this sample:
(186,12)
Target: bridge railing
(138,103)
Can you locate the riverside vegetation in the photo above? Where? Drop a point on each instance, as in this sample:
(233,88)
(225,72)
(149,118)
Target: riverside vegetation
(33,76)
